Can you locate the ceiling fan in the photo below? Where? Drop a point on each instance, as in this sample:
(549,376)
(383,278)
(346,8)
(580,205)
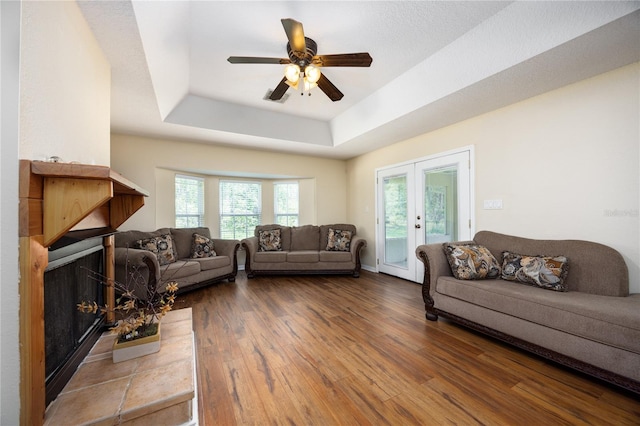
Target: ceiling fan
(303,63)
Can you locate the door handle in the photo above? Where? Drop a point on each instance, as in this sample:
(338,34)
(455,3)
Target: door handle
(418,226)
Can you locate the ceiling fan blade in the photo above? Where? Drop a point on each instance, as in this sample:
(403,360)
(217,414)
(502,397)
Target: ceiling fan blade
(343,60)
(280,90)
(295,34)
(329,89)
(257,60)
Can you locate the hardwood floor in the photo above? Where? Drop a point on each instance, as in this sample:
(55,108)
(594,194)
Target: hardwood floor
(329,350)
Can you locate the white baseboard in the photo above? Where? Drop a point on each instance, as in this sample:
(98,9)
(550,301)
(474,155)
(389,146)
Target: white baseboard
(369,268)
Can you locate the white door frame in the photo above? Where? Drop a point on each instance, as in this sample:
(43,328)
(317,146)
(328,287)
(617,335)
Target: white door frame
(379,243)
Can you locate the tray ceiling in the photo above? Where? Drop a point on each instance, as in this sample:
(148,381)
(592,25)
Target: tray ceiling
(434,63)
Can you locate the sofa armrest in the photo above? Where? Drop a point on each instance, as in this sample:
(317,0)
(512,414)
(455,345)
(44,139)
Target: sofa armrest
(226,247)
(250,246)
(136,270)
(135,259)
(357,244)
(435,265)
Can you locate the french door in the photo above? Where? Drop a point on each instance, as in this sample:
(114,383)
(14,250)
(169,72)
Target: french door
(424,202)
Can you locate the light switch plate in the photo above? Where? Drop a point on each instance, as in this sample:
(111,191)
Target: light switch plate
(492,204)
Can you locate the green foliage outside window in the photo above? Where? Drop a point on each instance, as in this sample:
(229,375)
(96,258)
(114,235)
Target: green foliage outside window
(286,203)
(395,194)
(240,209)
(189,200)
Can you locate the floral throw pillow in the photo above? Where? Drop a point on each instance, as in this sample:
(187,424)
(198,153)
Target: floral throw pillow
(270,240)
(339,240)
(543,271)
(202,247)
(161,246)
(471,262)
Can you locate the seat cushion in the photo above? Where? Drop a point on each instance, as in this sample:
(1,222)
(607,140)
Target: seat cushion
(179,269)
(335,256)
(270,256)
(304,256)
(208,263)
(606,319)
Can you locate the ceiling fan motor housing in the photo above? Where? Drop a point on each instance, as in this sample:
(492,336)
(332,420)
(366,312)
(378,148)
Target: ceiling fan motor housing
(302,59)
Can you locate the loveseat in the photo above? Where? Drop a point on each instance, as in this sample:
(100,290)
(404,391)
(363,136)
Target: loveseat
(591,324)
(307,249)
(187,256)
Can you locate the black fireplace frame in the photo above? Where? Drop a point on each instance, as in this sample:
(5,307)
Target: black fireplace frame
(59,257)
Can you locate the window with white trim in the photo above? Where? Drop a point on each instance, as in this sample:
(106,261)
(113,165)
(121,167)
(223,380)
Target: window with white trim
(189,200)
(240,208)
(286,203)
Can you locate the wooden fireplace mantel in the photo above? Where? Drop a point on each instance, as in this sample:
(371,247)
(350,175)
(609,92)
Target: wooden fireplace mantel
(55,199)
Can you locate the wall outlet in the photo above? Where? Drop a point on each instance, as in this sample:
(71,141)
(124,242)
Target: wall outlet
(492,204)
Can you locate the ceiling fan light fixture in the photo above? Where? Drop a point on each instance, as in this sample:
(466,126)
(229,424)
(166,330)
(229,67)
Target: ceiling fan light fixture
(294,85)
(312,74)
(308,85)
(292,73)
(303,70)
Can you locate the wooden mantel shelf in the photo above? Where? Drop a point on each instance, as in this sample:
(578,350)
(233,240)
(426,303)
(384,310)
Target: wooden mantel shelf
(56,199)
(84,171)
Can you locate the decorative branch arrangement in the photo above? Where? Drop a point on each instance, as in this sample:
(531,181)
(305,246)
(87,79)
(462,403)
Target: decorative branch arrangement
(137,316)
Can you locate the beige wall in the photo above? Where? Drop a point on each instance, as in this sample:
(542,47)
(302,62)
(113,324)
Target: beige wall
(565,164)
(323,193)
(65,86)
(56,77)
(9,131)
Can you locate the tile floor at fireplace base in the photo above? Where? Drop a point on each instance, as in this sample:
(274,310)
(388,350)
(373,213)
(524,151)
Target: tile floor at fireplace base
(160,385)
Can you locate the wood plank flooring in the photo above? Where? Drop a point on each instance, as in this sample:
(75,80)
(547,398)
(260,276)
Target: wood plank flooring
(337,350)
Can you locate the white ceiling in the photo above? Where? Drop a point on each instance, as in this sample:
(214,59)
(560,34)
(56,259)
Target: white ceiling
(434,63)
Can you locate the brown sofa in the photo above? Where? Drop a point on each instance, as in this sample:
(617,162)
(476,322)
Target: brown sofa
(187,272)
(303,250)
(593,327)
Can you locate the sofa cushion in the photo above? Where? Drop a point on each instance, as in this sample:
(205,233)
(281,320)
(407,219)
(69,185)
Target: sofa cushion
(606,319)
(595,268)
(202,247)
(183,240)
(471,261)
(161,246)
(542,271)
(208,263)
(285,234)
(269,240)
(339,240)
(179,269)
(324,232)
(128,238)
(335,256)
(303,256)
(270,256)
(306,237)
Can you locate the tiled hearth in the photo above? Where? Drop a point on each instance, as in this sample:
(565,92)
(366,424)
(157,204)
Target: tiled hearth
(155,389)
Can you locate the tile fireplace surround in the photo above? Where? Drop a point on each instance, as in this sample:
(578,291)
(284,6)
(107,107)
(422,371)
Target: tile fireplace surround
(155,389)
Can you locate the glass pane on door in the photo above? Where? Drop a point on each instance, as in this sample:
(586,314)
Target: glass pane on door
(440,204)
(395,220)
